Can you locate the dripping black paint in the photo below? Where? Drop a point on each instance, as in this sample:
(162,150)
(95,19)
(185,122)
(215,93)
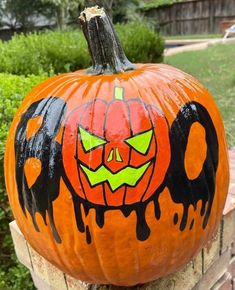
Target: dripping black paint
(42,145)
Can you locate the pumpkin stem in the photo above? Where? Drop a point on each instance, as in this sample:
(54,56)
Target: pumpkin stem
(104,46)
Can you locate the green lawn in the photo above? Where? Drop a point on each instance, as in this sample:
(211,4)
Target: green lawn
(194,36)
(215,68)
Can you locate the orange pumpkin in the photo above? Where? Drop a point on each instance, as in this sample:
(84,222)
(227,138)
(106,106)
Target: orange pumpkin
(120,174)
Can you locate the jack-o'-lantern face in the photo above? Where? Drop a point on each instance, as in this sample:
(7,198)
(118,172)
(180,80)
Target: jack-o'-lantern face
(111,151)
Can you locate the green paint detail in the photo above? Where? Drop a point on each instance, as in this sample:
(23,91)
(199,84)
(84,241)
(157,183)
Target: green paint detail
(90,141)
(129,176)
(141,142)
(110,158)
(118,156)
(119,93)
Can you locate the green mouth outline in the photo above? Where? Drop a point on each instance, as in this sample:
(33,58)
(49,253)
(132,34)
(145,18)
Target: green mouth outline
(128,176)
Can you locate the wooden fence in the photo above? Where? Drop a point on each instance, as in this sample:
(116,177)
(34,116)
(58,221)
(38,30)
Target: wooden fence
(193,17)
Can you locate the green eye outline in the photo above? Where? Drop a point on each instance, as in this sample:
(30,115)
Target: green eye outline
(90,141)
(141,142)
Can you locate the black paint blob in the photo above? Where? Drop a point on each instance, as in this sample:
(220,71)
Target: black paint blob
(182,190)
(42,146)
(176,219)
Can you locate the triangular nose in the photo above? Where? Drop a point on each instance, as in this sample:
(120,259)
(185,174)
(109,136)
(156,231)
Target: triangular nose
(114,153)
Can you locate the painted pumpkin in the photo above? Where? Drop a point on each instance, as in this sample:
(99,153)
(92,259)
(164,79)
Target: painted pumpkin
(120,174)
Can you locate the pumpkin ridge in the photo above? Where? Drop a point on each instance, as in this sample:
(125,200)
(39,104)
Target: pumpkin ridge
(154,162)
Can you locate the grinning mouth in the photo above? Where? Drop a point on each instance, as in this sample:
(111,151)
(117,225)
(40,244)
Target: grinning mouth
(127,176)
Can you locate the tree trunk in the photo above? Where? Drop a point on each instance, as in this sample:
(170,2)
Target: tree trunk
(61,17)
(107,4)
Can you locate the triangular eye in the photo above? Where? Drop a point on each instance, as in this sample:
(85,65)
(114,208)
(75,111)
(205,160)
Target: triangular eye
(90,141)
(141,142)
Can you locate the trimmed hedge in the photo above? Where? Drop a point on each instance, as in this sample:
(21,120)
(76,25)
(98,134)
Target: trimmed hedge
(65,51)
(152,4)
(12,90)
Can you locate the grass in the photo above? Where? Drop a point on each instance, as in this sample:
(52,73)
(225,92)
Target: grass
(194,36)
(215,68)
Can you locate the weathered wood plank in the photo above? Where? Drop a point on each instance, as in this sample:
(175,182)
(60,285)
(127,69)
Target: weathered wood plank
(192,17)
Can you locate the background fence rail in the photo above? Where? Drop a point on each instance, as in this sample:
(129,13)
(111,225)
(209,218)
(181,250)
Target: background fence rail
(193,17)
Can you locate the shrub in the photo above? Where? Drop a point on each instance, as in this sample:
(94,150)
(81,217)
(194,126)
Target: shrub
(141,43)
(151,4)
(67,51)
(12,91)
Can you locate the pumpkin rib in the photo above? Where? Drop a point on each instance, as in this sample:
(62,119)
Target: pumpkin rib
(76,148)
(130,152)
(99,258)
(92,106)
(36,93)
(79,257)
(154,162)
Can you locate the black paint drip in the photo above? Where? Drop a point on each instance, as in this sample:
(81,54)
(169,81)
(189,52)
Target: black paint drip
(42,146)
(39,198)
(176,218)
(191,225)
(142,229)
(88,235)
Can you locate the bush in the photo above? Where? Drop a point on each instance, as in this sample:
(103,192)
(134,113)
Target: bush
(141,43)
(67,51)
(12,91)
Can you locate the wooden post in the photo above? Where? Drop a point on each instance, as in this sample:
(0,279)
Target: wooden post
(212,16)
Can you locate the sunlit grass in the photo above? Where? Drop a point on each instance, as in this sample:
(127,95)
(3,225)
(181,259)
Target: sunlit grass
(215,68)
(194,36)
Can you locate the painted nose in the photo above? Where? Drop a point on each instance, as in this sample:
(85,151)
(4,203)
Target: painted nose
(114,155)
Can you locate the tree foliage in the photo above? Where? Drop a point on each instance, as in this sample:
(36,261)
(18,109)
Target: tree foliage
(118,10)
(64,9)
(22,14)
(150,4)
